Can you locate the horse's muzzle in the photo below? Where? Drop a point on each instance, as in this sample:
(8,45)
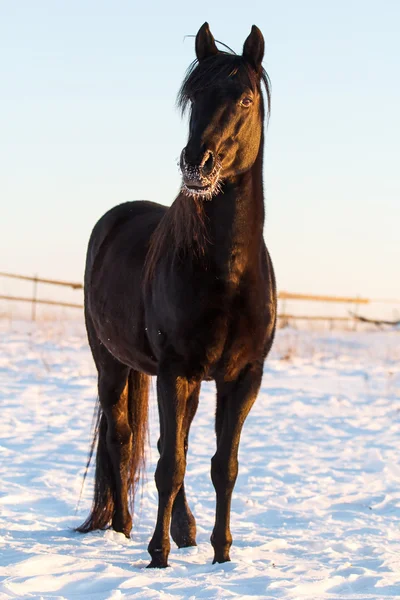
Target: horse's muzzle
(201,179)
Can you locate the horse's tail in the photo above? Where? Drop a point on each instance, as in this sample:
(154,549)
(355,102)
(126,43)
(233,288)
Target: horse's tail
(138,415)
(103,505)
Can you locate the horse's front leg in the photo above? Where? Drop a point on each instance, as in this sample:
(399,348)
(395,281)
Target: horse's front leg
(172,392)
(234,401)
(183,525)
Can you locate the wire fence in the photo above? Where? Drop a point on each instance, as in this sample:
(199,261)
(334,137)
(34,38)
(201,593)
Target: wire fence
(283,296)
(33,299)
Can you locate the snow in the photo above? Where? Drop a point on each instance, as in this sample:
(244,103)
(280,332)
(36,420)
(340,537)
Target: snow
(316,508)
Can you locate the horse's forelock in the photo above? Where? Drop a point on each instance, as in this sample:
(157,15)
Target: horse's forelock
(207,73)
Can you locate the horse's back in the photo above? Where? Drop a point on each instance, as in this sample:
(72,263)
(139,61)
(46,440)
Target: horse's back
(141,216)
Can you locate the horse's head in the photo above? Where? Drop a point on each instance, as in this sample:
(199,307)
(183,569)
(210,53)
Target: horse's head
(227,112)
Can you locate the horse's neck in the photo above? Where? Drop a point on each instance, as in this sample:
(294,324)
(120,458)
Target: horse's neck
(235,217)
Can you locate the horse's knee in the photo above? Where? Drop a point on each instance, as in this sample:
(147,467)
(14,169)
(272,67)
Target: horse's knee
(224,472)
(119,439)
(169,474)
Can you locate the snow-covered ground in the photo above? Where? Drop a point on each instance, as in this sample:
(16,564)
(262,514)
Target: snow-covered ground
(316,509)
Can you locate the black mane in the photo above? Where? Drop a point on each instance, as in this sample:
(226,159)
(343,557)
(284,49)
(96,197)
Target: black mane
(224,65)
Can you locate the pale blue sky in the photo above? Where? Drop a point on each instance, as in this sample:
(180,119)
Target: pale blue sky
(87,120)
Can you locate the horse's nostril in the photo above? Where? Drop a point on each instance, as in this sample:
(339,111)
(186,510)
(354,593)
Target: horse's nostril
(208,163)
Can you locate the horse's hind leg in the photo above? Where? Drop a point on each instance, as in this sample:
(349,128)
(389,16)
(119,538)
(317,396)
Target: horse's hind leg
(183,524)
(117,440)
(110,502)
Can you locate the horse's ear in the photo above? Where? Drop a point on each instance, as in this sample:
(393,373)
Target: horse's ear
(253,49)
(205,43)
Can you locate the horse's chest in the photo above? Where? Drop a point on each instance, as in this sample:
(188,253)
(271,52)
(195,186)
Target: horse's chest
(225,337)
(213,325)
(243,340)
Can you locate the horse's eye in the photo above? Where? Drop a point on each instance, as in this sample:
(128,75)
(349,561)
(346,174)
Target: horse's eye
(246,102)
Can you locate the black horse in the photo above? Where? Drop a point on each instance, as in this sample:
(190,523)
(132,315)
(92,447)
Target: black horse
(186,293)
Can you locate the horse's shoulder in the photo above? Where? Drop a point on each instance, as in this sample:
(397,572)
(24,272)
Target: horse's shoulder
(126,211)
(120,215)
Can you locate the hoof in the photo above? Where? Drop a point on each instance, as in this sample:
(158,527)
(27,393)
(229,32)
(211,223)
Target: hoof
(183,530)
(126,533)
(159,560)
(221,559)
(157,564)
(186,544)
(121,527)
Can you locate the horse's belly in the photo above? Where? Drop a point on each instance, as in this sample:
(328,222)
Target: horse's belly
(123,335)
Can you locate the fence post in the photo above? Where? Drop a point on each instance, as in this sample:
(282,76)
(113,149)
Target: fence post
(356,310)
(34,298)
